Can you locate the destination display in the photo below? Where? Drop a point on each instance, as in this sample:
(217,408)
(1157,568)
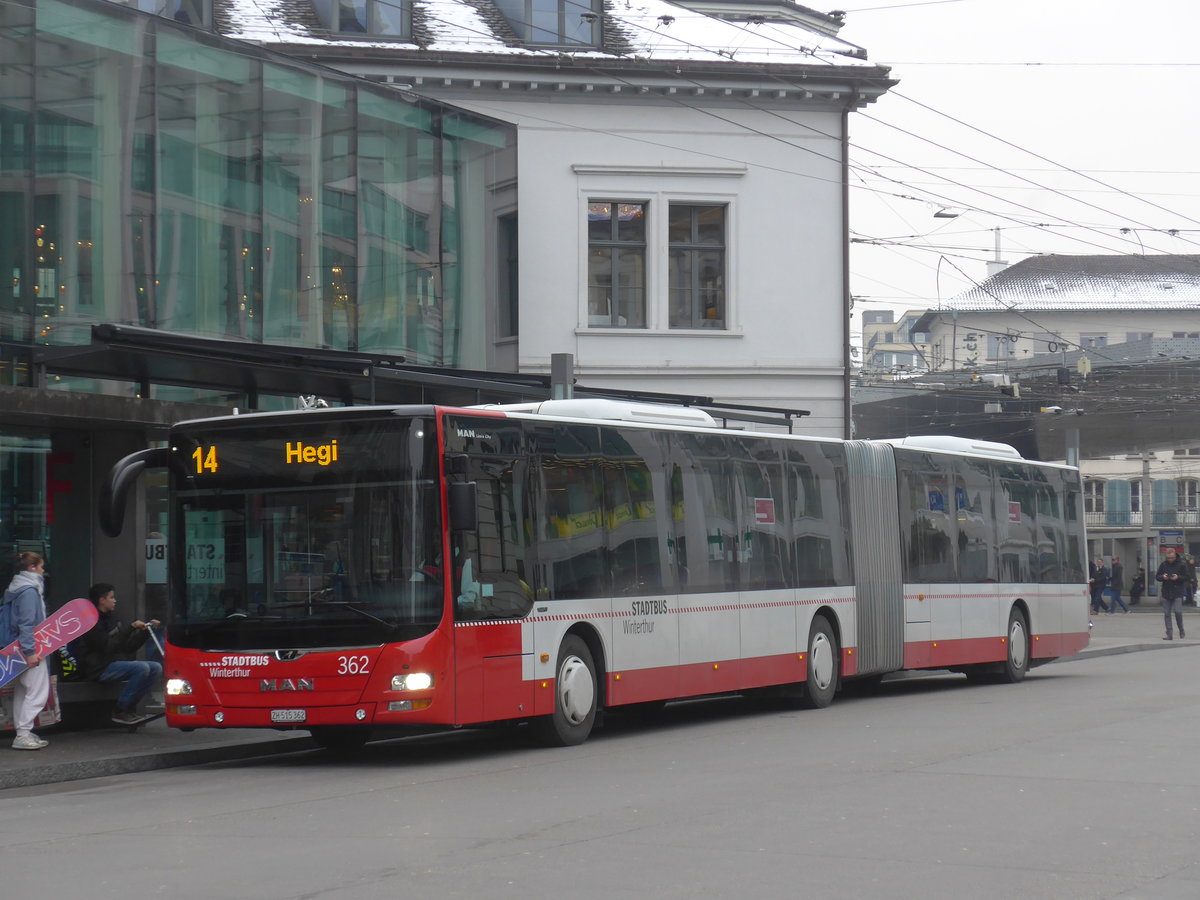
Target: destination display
(317,453)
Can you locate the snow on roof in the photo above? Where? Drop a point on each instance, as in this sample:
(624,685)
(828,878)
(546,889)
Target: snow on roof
(1060,282)
(646,29)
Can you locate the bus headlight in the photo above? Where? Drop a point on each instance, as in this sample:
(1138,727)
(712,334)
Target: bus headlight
(412,681)
(177,687)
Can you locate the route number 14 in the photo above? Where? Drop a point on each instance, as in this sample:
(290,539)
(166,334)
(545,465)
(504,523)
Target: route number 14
(206,459)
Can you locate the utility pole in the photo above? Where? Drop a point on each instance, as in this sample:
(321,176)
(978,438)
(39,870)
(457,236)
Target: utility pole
(1145,504)
(562,376)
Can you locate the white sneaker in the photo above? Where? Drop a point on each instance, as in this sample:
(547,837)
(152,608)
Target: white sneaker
(29,742)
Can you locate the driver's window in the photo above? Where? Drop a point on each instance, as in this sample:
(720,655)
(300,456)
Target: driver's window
(493,563)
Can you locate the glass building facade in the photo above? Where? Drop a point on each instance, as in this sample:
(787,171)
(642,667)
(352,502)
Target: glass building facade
(155,175)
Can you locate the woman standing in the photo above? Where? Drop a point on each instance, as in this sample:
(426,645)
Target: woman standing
(26,593)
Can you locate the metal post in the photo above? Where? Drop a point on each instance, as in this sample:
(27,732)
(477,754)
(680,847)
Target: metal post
(562,376)
(1146,522)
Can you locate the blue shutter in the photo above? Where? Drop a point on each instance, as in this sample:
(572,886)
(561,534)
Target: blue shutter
(1116,504)
(1165,501)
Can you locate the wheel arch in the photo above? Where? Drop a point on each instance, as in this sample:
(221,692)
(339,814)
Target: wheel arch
(835,622)
(587,633)
(1023,605)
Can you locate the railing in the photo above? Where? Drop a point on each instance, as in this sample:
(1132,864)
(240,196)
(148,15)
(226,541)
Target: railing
(1159,518)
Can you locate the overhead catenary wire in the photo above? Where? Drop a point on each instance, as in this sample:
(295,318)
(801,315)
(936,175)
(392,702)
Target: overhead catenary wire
(601,68)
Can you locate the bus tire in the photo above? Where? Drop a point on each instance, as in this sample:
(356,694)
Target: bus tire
(819,687)
(1016,660)
(575,697)
(340,738)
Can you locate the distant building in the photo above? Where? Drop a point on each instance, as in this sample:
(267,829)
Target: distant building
(1129,497)
(1104,346)
(1059,304)
(893,348)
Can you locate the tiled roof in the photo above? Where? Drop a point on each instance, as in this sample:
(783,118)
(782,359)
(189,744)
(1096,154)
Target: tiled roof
(1056,282)
(650,30)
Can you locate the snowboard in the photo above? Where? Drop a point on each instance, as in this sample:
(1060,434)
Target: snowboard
(65,624)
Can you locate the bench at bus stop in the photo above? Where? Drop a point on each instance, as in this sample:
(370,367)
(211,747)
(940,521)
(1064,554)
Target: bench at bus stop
(87,704)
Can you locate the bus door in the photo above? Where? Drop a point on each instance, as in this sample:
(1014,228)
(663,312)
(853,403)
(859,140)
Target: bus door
(929,537)
(491,580)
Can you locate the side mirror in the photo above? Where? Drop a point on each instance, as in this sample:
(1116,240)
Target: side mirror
(460,497)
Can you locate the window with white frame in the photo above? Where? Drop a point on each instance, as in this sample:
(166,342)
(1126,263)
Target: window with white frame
(1135,495)
(656,264)
(616,267)
(559,23)
(1188,493)
(696,261)
(1093,496)
(377,18)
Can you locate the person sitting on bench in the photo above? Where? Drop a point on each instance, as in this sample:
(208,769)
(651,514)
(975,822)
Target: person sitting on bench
(107,654)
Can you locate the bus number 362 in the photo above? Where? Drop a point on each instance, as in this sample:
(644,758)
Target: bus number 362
(353,665)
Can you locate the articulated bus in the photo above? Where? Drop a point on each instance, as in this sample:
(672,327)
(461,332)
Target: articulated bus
(365,571)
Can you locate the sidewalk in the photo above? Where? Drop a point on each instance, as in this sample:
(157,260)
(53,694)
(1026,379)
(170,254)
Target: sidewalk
(116,751)
(1141,629)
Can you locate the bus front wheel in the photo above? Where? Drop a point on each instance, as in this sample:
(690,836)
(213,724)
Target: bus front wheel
(575,697)
(823,662)
(1016,661)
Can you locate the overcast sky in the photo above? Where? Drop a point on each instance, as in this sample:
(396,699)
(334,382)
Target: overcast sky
(1105,90)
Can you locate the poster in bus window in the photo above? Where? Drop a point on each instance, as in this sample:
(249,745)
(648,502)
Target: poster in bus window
(937,501)
(764,511)
(156,559)
(205,550)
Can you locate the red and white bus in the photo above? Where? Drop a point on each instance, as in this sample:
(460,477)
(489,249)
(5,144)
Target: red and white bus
(366,570)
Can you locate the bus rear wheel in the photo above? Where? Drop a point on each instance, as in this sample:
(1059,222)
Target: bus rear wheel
(575,697)
(821,684)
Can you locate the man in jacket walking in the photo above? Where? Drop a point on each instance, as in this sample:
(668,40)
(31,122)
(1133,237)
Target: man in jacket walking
(1173,575)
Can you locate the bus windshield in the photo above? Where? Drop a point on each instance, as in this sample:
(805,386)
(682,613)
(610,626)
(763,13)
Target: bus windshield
(305,535)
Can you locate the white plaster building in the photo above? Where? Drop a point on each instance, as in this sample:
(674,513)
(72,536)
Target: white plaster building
(680,211)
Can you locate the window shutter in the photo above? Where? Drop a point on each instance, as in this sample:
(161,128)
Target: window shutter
(1163,492)
(1117,505)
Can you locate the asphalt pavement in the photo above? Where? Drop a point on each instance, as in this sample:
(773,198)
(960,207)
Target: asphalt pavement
(118,750)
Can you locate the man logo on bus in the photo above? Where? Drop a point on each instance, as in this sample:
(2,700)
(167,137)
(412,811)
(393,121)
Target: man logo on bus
(269,685)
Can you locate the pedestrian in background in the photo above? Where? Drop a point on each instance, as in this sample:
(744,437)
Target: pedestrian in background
(1097,582)
(1138,587)
(25,609)
(1173,574)
(1116,583)
(1191,585)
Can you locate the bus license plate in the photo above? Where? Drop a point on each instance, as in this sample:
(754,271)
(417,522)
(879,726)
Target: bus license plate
(288,715)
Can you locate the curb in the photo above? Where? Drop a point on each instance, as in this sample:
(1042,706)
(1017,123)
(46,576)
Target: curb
(55,773)
(1122,648)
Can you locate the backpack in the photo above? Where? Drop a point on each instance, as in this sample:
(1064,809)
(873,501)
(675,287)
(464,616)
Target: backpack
(8,633)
